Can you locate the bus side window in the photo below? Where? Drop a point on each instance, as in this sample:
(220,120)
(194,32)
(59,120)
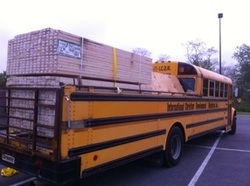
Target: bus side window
(222,90)
(211,88)
(205,87)
(226,90)
(217,89)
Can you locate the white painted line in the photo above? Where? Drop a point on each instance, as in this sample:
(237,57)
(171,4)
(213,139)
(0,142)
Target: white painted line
(199,146)
(24,181)
(204,163)
(235,150)
(220,148)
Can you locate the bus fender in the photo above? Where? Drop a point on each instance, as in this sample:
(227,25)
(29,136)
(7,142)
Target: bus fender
(174,147)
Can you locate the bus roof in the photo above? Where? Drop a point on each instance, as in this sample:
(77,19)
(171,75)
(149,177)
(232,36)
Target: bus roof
(214,76)
(181,68)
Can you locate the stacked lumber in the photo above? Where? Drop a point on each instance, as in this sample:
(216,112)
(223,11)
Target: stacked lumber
(58,81)
(39,81)
(22,111)
(49,58)
(55,52)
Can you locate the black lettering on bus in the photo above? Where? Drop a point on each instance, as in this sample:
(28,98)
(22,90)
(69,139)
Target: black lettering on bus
(175,107)
(164,68)
(201,105)
(212,105)
(189,106)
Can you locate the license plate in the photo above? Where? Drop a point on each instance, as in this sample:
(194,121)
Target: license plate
(8,158)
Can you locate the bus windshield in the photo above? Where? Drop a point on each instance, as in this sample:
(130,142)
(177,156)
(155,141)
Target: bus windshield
(188,84)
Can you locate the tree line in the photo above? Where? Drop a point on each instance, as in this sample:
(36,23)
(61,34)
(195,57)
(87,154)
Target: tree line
(199,54)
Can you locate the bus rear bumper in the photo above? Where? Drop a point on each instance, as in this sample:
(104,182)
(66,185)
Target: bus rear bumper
(55,172)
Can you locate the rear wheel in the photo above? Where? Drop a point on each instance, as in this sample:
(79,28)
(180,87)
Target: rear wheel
(173,152)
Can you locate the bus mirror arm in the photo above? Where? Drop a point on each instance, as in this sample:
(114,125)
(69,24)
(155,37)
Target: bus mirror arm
(236,92)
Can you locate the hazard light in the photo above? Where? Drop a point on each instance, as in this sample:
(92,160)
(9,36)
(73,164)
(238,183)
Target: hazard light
(181,70)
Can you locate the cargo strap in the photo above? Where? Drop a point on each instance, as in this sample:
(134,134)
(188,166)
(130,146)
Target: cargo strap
(114,66)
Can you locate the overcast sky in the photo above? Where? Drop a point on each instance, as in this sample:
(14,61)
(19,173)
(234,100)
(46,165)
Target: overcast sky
(160,26)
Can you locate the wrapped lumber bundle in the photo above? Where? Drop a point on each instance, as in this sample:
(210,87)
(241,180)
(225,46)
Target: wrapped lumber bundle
(39,81)
(22,111)
(48,58)
(58,81)
(55,52)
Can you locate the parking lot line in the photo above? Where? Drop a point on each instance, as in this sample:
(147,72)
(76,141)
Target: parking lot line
(220,148)
(24,181)
(236,150)
(204,163)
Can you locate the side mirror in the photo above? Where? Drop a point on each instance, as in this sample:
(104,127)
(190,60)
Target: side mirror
(236,92)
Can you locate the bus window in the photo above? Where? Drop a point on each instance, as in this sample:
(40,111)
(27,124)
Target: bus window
(211,88)
(205,87)
(226,90)
(222,89)
(217,89)
(187,84)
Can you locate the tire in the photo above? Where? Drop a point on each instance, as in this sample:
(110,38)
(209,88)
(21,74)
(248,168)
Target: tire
(234,126)
(174,147)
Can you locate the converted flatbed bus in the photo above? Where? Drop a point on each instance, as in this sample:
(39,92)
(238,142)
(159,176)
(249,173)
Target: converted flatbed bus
(67,133)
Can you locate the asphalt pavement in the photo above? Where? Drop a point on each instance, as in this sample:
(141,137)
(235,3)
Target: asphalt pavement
(216,159)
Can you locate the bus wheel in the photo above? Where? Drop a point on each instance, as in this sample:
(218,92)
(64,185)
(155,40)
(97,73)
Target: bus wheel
(233,128)
(173,152)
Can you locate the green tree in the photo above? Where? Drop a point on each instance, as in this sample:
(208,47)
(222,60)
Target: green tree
(3,79)
(242,56)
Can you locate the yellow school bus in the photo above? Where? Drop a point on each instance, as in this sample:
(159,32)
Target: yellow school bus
(82,130)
